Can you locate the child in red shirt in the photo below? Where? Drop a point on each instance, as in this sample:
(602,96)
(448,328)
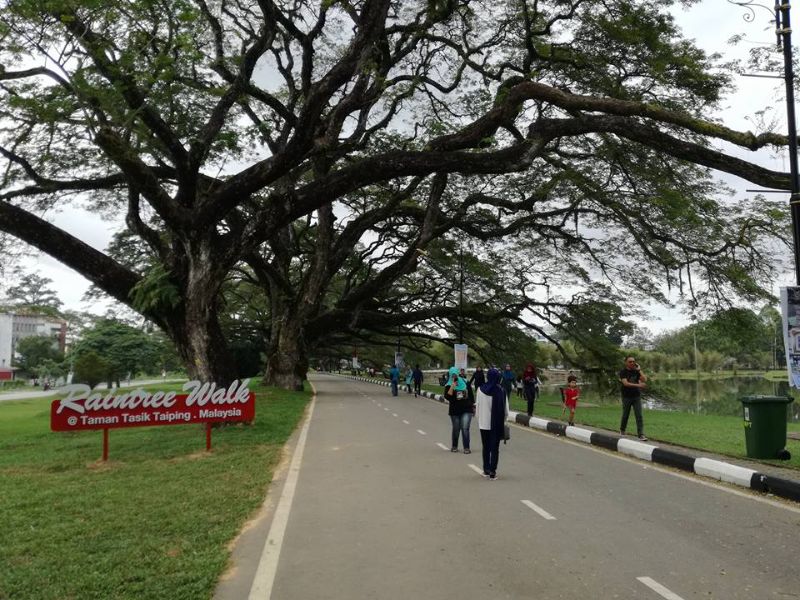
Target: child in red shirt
(571,395)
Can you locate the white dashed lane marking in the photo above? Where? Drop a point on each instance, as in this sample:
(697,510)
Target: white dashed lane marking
(442,446)
(538,510)
(659,589)
(476,469)
(419,431)
(406,422)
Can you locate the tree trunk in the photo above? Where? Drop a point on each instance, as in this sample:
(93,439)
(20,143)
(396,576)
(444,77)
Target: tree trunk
(287,356)
(194,327)
(203,349)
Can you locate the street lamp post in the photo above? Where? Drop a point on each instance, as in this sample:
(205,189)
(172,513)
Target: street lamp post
(783,32)
(783,29)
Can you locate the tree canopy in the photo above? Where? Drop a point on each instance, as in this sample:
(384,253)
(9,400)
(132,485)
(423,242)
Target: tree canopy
(317,148)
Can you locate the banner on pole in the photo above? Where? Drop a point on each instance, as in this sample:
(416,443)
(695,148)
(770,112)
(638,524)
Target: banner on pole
(790,312)
(460,356)
(399,360)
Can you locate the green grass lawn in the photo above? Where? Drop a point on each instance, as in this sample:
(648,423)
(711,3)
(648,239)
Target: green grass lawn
(152,522)
(713,433)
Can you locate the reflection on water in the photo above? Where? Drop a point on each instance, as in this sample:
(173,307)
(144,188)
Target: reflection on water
(708,396)
(715,396)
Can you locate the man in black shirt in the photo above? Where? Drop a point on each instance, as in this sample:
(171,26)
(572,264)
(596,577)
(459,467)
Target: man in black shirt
(633,382)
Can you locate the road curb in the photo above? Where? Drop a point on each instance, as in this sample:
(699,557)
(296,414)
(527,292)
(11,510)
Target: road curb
(705,467)
(702,466)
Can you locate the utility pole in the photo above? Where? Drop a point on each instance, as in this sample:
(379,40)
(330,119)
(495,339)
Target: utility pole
(696,370)
(461,294)
(783,31)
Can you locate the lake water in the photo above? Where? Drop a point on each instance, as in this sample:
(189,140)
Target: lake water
(707,396)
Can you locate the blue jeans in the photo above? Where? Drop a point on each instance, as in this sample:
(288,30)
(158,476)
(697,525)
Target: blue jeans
(394,388)
(461,424)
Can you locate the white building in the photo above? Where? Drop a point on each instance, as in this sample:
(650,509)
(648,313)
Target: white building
(6,345)
(14,327)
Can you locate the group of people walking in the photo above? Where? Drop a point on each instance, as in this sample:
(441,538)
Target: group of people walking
(413,377)
(486,395)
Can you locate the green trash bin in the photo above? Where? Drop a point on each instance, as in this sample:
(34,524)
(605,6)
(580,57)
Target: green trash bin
(765,426)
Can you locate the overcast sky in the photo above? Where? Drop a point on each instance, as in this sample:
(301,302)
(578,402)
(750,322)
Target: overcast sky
(710,22)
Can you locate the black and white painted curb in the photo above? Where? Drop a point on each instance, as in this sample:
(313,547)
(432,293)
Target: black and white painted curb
(707,467)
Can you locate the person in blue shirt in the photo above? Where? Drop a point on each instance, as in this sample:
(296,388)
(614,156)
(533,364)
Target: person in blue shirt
(507,381)
(394,376)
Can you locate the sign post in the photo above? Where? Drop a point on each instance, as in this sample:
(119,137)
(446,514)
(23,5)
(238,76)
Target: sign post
(460,351)
(207,403)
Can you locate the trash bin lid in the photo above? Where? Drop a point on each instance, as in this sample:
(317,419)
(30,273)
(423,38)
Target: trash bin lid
(766,399)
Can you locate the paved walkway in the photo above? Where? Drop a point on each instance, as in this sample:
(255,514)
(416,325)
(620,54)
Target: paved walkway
(384,510)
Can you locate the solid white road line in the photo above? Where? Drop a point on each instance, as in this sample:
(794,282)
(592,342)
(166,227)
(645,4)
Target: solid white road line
(442,446)
(261,588)
(540,511)
(406,422)
(419,431)
(659,589)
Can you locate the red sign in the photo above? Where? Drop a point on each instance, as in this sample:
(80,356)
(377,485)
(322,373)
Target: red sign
(204,403)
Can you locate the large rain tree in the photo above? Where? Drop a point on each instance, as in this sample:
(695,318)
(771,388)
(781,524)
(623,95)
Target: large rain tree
(212,127)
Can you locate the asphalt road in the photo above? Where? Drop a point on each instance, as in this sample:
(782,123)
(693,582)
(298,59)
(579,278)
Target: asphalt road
(382,509)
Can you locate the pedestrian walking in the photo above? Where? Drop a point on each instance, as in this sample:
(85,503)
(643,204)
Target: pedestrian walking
(418,378)
(530,386)
(394,377)
(491,408)
(633,382)
(409,379)
(462,407)
(507,381)
(571,394)
(478,378)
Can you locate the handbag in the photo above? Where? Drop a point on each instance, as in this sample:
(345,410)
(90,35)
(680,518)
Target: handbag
(506,433)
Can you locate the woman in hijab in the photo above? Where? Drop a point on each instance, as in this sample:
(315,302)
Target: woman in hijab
(492,411)
(462,403)
(530,386)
